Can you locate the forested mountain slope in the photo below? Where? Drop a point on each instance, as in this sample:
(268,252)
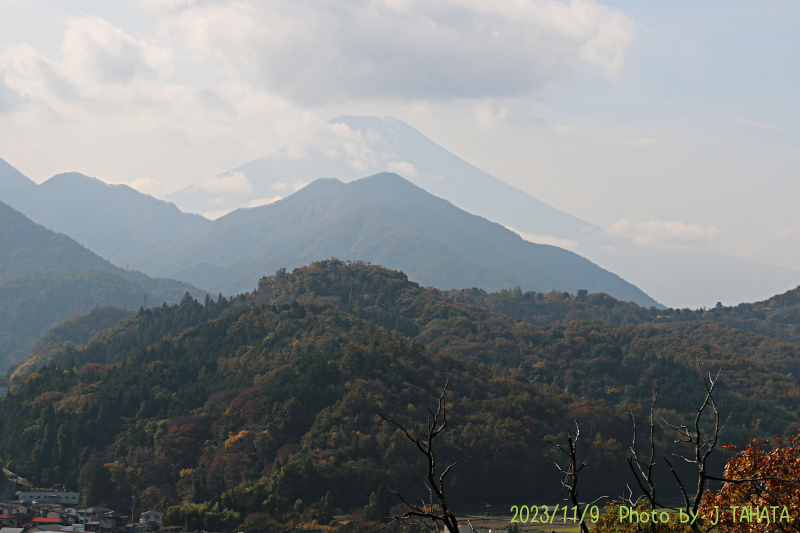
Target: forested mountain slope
(267,405)
(228,410)
(46,278)
(386,220)
(70,333)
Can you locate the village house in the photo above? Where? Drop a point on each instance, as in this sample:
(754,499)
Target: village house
(102,520)
(11,520)
(49,496)
(13,508)
(66,515)
(39,521)
(92,514)
(113,522)
(152,520)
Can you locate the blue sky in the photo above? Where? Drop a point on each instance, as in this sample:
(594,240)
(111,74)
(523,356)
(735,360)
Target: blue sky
(655,120)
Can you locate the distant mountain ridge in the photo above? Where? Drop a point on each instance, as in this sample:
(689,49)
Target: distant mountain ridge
(46,277)
(230,254)
(387,220)
(115,221)
(126,226)
(404,150)
(679,278)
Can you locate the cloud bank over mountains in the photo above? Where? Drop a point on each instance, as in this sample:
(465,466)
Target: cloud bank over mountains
(242,78)
(312,52)
(208,55)
(663,233)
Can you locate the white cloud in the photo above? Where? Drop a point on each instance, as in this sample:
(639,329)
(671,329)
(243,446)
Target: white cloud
(232,182)
(258,202)
(403,168)
(288,188)
(311,51)
(213,215)
(661,233)
(567,244)
(564,129)
(148,186)
(95,52)
(489,114)
(195,87)
(99,66)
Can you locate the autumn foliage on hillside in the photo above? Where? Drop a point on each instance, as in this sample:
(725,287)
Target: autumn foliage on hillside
(260,412)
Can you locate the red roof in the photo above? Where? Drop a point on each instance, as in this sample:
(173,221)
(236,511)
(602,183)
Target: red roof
(46,520)
(8,516)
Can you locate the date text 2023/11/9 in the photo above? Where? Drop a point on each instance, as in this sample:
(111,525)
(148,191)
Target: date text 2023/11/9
(543,514)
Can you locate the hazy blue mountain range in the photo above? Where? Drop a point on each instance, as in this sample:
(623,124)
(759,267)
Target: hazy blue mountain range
(124,225)
(682,278)
(45,278)
(114,221)
(386,220)
(399,147)
(230,254)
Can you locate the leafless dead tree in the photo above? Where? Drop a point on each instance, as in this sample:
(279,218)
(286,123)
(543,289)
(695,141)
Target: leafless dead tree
(702,444)
(643,471)
(571,472)
(423,439)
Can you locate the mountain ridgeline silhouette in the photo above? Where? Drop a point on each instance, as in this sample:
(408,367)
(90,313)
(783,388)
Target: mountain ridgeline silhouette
(683,276)
(383,219)
(47,277)
(114,221)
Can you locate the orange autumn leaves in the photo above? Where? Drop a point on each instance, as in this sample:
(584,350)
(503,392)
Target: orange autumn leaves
(773,471)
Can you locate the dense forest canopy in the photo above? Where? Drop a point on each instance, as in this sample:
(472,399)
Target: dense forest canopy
(266,406)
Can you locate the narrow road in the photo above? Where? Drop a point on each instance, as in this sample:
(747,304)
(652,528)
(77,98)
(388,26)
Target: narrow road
(7,482)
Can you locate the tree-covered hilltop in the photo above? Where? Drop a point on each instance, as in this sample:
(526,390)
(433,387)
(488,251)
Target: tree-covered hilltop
(145,328)
(778,316)
(70,333)
(268,405)
(231,410)
(47,278)
(607,358)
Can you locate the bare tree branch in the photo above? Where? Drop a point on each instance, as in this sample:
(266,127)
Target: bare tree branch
(701,443)
(571,473)
(435,486)
(643,471)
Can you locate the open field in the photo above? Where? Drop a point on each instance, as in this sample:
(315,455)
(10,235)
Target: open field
(495,522)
